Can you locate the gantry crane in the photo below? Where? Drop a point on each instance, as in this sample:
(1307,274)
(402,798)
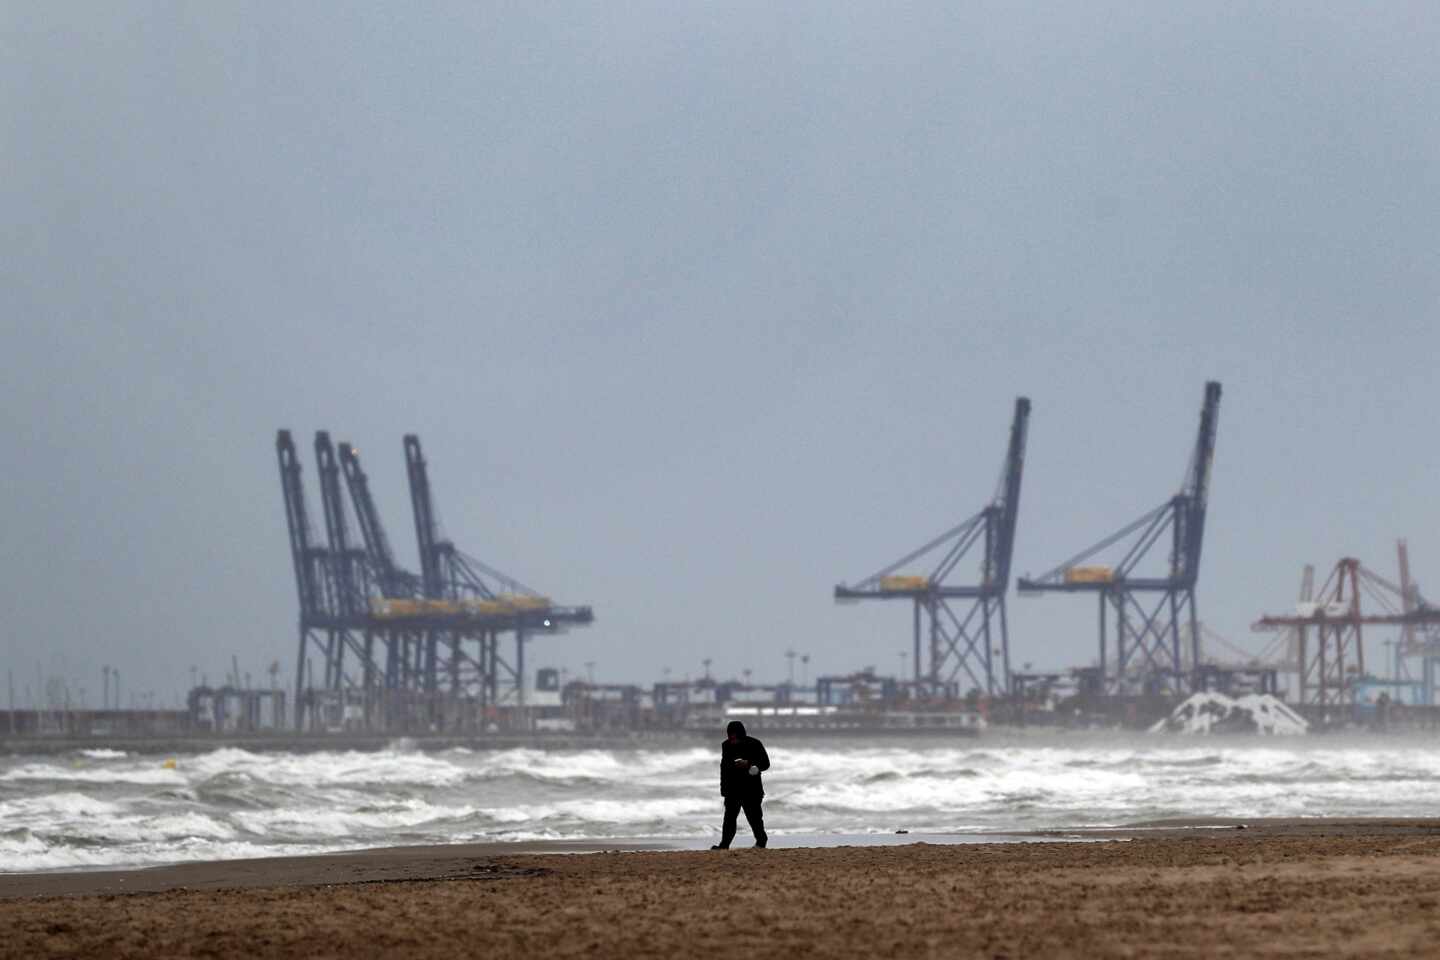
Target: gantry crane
(392,581)
(1417,639)
(961,644)
(1329,667)
(402,642)
(317,616)
(1335,661)
(1147,636)
(1282,652)
(353,596)
(348,571)
(449,575)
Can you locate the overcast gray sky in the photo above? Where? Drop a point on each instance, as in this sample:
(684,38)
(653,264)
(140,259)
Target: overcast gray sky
(701,308)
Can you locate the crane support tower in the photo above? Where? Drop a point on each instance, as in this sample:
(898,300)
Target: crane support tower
(1416,639)
(401,651)
(387,686)
(1148,610)
(310,562)
(346,569)
(960,645)
(1332,663)
(452,577)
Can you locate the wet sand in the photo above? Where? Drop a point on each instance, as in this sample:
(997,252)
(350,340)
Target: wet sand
(1194,888)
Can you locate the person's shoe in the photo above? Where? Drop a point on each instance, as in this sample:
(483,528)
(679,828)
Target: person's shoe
(718,847)
(759,846)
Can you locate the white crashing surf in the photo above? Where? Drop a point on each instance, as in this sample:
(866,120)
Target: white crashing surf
(74,812)
(1258,713)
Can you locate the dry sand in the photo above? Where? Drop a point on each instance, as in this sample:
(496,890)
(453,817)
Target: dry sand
(1315,888)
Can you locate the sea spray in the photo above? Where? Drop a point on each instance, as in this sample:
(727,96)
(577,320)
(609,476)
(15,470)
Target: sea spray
(107,808)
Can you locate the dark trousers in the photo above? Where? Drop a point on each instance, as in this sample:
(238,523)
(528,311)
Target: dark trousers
(753,816)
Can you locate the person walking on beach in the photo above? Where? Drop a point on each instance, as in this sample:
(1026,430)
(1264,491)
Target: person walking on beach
(742,760)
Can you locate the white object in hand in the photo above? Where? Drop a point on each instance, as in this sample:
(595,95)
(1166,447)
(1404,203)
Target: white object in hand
(754,770)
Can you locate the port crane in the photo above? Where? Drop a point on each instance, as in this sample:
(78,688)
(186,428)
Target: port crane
(960,644)
(348,575)
(1417,639)
(1330,666)
(446,620)
(311,562)
(390,579)
(459,582)
(1148,610)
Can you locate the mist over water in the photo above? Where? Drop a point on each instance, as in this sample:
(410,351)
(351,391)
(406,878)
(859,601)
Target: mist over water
(97,808)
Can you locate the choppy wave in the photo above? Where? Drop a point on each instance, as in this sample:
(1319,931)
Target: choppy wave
(105,807)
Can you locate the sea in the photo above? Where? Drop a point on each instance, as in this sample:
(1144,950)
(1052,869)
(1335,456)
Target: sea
(97,808)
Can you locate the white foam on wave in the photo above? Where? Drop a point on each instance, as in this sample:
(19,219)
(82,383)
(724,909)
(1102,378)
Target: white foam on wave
(313,823)
(348,768)
(990,790)
(156,775)
(75,824)
(139,829)
(130,809)
(595,765)
(662,813)
(50,807)
(658,810)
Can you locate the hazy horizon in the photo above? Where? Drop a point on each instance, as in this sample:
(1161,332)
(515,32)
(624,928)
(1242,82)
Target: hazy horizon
(700,310)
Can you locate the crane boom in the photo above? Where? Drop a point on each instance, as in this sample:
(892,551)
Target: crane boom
(307,557)
(1002,544)
(961,645)
(426,529)
(1148,611)
(1191,534)
(346,572)
(393,581)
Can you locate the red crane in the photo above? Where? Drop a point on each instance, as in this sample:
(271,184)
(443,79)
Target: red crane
(1329,668)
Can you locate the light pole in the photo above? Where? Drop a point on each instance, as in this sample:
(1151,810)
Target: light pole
(590,672)
(706,662)
(790,659)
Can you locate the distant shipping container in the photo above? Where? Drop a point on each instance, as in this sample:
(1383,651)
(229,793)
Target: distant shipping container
(904,583)
(1090,575)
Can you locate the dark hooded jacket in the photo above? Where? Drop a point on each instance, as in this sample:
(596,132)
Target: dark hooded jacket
(737,781)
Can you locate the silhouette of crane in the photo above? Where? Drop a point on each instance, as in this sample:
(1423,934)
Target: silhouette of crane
(1147,635)
(961,644)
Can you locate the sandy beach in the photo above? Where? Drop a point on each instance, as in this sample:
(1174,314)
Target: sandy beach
(1281,888)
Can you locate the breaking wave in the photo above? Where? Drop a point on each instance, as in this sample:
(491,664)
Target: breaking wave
(103,807)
